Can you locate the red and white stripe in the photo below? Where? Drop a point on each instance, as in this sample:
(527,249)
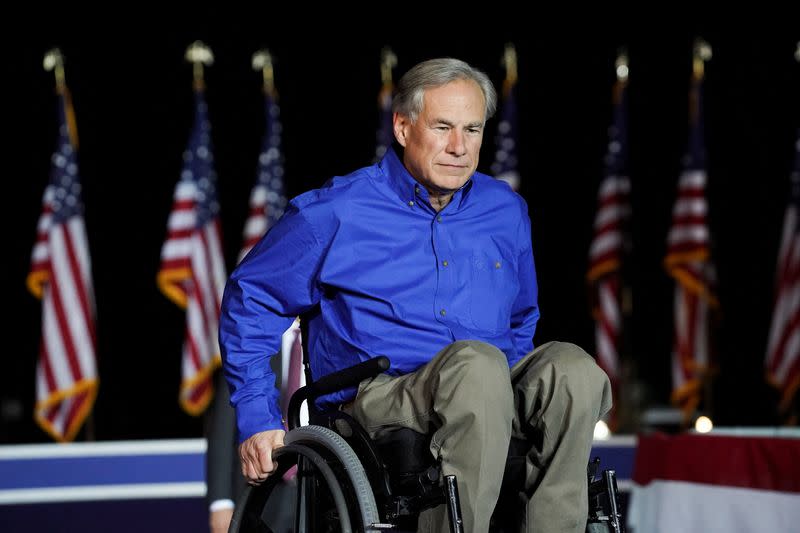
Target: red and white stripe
(608,327)
(66,373)
(605,258)
(783,352)
(702,483)
(688,261)
(193,275)
(257,222)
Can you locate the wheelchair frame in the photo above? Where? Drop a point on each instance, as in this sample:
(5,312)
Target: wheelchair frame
(343,483)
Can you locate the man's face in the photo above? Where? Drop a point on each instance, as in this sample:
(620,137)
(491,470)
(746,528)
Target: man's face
(442,146)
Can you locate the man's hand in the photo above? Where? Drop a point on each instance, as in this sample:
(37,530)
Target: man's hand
(256,455)
(220,521)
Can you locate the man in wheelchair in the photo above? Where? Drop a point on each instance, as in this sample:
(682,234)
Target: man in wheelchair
(422,259)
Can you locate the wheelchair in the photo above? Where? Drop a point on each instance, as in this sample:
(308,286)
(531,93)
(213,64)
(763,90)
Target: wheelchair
(346,482)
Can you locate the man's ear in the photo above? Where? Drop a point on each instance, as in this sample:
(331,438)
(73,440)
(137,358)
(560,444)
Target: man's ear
(400,124)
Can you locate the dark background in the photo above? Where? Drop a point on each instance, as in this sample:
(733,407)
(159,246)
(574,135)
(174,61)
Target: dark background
(132,94)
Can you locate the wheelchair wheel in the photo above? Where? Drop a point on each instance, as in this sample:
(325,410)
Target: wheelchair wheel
(333,493)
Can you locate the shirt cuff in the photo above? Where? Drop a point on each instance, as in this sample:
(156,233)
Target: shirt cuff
(219,505)
(252,417)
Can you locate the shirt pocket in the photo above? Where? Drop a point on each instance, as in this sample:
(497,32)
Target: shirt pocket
(493,290)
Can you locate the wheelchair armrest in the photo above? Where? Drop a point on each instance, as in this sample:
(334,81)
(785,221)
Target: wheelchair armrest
(348,377)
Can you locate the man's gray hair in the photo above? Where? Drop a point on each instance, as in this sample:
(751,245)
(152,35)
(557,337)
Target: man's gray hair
(434,73)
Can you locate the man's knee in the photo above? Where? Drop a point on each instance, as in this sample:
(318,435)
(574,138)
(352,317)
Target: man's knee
(568,365)
(571,358)
(477,369)
(566,357)
(473,397)
(479,358)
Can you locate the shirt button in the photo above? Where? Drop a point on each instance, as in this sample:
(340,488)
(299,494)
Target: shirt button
(497,264)
(416,190)
(439,218)
(411,202)
(442,312)
(445,263)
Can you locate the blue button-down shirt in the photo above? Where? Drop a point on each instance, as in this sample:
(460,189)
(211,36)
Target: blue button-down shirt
(392,276)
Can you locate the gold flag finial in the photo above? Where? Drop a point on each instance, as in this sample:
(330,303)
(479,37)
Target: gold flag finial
(621,65)
(198,54)
(54,60)
(262,60)
(701,52)
(388,62)
(510,64)
(621,69)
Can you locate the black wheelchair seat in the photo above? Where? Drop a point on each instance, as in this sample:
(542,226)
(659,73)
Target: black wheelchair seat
(416,456)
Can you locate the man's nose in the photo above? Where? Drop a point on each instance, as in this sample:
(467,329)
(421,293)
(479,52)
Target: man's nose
(456,144)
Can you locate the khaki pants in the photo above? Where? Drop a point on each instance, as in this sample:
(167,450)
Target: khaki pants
(470,403)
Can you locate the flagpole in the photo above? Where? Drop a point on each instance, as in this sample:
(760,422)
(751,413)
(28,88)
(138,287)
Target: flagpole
(622,71)
(262,60)
(198,54)
(623,416)
(779,355)
(789,401)
(54,61)
(701,53)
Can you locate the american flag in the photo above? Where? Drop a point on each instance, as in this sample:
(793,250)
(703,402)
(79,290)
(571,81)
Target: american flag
(504,166)
(609,243)
(60,275)
(267,198)
(688,260)
(783,351)
(192,272)
(385,133)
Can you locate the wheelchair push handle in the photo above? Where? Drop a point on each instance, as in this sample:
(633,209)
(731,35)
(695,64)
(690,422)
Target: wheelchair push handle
(350,376)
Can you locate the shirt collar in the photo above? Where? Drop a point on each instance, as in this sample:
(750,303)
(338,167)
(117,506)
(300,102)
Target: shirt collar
(409,189)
